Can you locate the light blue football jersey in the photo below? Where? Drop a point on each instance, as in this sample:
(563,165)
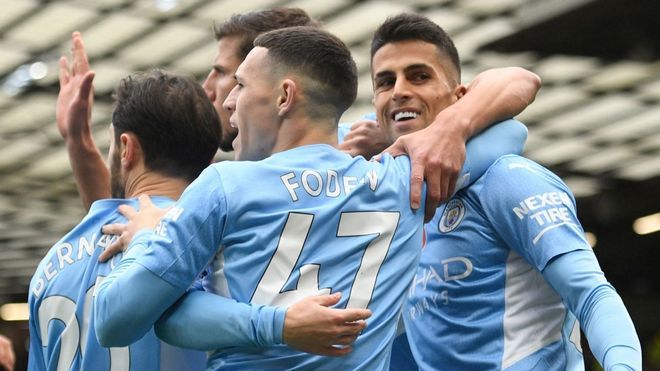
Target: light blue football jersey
(478,300)
(304,221)
(62,335)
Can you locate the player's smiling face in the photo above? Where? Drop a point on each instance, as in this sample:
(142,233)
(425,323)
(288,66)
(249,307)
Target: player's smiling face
(412,82)
(253,107)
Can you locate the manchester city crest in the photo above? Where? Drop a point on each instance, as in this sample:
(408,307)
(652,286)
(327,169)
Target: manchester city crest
(452,216)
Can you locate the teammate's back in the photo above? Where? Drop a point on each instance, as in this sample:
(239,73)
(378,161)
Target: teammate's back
(61,302)
(164,132)
(304,221)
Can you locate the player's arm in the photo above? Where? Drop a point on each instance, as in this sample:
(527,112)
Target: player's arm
(503,138)
(438,151)
(200,320)
(205,321)
(165,254)
(492,96)
(578,279)
(130,300)
(551,238)
(74,107)
(159,267)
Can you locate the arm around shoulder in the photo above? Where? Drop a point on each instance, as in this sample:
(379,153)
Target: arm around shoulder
(128,302)
(205,321)
(493,95)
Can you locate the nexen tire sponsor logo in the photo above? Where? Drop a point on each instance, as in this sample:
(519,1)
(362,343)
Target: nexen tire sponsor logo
(548,210)
(548,203)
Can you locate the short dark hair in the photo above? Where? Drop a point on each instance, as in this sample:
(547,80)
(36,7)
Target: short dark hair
(249,25)
(320,57)
(173,120)
(408,26)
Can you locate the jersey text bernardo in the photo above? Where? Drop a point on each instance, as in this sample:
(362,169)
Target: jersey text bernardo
(327,182)
(69,253)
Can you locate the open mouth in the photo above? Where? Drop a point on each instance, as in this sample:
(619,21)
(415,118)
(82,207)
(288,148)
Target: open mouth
(404,115)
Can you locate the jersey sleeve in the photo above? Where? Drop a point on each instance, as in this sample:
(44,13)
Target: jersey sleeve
(123,313)
(190,234)
(200,320)
(169,259)
(503,138)
(578,279)
(531,209)
(343,129)
(204,321)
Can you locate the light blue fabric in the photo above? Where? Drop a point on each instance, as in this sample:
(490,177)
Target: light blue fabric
(61,322)
(307,220)
(601,312)
(503,276)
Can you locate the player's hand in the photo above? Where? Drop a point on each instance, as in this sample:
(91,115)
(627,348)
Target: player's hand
(7,356)
(366,138)
(312,327)
(76,96)
(436,154)
(147,217)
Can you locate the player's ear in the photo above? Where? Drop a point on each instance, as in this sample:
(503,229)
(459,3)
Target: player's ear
(131,150)
(287,97)
(459,91)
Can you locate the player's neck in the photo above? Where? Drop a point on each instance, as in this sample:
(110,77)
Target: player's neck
(155,184)
(301,132)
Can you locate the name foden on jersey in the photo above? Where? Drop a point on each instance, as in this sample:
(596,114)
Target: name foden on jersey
(327,182)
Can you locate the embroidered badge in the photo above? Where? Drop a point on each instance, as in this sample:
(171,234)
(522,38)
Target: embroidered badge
(452,216)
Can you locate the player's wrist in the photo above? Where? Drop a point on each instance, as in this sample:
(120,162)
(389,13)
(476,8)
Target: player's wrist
(454,123)
(80,143)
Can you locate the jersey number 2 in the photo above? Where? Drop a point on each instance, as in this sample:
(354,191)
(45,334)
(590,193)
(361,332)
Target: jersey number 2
(270,289)
(64,309)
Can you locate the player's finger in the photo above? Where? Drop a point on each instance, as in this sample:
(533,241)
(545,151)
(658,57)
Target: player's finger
(352,328)
(64,71)
(416,183)
(395,150)
(127,211)
(80,63)
(355,314)
(86,86)
(434,192)
(327,300)
(333,351)
(113,249)
(114,228)
(145,201)
(346,340)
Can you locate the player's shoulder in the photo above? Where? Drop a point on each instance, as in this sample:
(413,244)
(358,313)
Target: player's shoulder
(514,174)
(515,166)
(394,164)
